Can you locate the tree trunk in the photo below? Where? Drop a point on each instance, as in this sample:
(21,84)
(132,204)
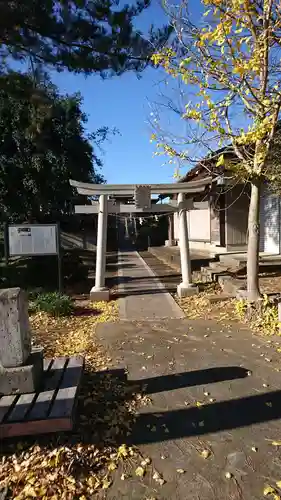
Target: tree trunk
(253,292)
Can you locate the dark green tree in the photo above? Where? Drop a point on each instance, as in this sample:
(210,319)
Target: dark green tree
(79,35)
(43,144)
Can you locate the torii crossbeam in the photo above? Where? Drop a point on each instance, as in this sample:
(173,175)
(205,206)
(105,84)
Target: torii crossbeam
(142,196)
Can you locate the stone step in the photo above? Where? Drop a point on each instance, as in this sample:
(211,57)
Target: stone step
(215,269)
(232,261)
(223,297)
(230,285)
(216,263)
(196,276)
(204,278)
(212,274)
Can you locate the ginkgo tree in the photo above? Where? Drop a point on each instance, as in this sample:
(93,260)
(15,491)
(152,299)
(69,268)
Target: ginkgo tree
(227,53)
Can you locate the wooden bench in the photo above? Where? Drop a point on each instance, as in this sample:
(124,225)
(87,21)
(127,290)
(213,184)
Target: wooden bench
(50,410)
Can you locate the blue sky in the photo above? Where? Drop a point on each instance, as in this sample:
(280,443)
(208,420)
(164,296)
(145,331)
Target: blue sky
(122,102)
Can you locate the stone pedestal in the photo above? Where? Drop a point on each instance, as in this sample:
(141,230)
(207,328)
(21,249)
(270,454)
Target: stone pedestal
(186,290)
(99,294)
(21,367)
(23,379)
(170,243)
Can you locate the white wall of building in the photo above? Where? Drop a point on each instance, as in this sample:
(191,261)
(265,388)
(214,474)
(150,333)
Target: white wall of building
(270,223)
(199,226)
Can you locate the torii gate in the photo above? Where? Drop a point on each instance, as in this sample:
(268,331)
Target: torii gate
(142,196)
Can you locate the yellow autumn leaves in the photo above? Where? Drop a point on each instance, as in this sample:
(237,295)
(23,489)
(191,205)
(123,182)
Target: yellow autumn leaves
(272,492)
(227,61)
(74,334)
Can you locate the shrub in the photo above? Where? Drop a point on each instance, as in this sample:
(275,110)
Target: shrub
(53,303)
(241,308)
(73,268)
(262,316)
(267,319)
(33,293)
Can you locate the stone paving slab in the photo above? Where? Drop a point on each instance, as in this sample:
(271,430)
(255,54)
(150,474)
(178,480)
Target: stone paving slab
(142,295)
(182,365)
(171,256)
(168,276)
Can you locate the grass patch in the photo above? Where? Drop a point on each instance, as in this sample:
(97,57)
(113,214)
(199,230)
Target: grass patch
(52,303)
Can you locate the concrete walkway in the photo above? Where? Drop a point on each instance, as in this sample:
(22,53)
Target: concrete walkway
(142,295)
(213,426)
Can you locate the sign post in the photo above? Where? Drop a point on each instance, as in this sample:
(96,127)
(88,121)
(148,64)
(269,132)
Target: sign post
(60,284)
(6,244)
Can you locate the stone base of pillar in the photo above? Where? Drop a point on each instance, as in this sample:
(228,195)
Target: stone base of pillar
(186,290)
(99,294)
(23,379)
(169,243)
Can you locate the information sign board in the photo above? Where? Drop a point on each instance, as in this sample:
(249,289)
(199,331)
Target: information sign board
(142,196)
(33,239)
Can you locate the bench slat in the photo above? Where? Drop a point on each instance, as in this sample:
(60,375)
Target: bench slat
(5,404)
(21,407)
(66,396)
(43,403)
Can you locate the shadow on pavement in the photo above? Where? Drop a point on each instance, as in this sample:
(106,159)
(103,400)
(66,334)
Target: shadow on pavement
(146,278)
(128,293)
(198,421)
(189,379)
(211,418)
(117,266)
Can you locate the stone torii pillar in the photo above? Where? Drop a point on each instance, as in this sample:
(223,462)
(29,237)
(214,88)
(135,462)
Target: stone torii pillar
(170,242)
(135,227)
(186,287)
(100,291)
(126,228)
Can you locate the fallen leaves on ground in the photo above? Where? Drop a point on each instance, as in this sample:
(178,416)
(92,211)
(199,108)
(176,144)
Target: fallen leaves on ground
(66,336)
(78,464)
(180,471)
(199,306)
(140,471)
(276,443)
(228,311)
(228,475)
(158,478)
(270,491)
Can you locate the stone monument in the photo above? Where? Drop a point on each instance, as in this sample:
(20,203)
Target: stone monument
(21,365)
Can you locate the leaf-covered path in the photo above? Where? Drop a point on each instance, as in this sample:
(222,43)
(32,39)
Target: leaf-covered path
(142,295)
